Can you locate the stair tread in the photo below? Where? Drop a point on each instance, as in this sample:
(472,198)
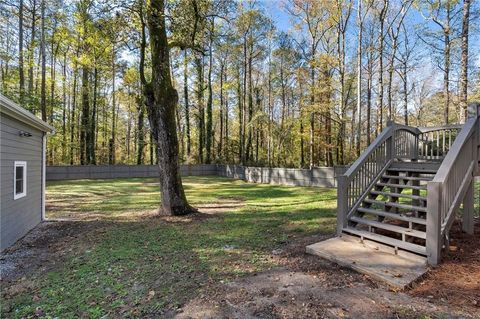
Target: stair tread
(388,240)
(398,205)
(421,187)
(413,169)
(383,213)
(410,178)
(389,227)
(398,195)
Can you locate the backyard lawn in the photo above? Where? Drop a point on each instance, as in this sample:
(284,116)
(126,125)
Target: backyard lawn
(111,255)
(136,263)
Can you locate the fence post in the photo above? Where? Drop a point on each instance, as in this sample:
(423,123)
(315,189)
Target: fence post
(434,240)
(342,203)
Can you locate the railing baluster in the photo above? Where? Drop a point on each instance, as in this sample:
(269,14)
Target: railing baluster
(450,139)
(438,144)
(432,143)
(443,143)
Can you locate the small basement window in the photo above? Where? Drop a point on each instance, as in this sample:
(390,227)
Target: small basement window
(20,180)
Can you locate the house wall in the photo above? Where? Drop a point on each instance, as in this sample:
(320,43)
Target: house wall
(17,217)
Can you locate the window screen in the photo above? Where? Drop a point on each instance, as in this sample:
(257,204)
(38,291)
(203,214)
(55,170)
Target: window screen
(19,179)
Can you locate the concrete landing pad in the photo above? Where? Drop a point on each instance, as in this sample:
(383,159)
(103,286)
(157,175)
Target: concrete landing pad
(373,259)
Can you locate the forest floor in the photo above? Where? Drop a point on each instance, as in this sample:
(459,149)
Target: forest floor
(108,254)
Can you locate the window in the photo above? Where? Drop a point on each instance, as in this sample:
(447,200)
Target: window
(20,180)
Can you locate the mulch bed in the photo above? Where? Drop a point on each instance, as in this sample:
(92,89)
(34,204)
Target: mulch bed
(456,281)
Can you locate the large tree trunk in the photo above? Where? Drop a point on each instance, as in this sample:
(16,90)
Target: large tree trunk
(43,94)
(20,52)
(446,67)
(201,109)
(359,78)
(91,133)
(64,109)
(225,147)
(240,117)
(72,119)
(140,130)
(220,140)
(31,50)
(187,106)
(312,114)
(248,151)
(85,114)
(111,143)
(161,100)
(209,131)
(381,38)
(464,70)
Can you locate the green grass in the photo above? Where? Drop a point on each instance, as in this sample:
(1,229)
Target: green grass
(139,266)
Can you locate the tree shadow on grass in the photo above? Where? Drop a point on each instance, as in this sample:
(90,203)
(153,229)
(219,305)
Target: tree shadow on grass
(146,267)
(149,266)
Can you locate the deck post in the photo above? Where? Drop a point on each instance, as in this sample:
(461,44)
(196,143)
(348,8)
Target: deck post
(434,223)
(468,200)
(468,210)
(391,141)
(342,203)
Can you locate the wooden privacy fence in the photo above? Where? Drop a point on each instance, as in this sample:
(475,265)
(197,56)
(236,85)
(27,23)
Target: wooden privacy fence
(316,177)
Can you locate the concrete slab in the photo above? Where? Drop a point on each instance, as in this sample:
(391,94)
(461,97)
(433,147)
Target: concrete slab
(373,259)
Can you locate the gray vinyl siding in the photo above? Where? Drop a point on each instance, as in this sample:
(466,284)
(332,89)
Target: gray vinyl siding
(18,216)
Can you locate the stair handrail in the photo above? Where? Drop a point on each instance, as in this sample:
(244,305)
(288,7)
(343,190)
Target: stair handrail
(447,190)
(426,129)
(350,189)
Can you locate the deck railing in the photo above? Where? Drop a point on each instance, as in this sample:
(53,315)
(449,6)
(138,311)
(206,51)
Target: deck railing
(451,184)
(435,142)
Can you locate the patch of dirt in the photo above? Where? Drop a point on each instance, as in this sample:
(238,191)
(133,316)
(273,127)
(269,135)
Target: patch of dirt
(307,286)
(44,247)
(456,281)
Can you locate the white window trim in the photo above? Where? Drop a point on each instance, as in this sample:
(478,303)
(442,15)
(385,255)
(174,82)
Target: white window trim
(24,193)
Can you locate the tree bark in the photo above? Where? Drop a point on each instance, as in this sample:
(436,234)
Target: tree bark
(209,131)
(43,94)
(111,144)
(140,130)
(161,100)
(72,119)
(187,106)
(446,74)
(464,63)
(91,156)
(201,108)
(31,50)
(20,53)
(64,109)
(381,38)
(220,140)
(359,77)
(85,114)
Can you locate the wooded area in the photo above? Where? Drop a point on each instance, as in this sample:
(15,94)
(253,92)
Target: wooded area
(294,83)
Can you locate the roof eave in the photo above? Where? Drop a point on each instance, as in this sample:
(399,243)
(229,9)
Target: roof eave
(17,112)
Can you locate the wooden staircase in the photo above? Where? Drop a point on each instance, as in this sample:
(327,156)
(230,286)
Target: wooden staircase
(406,187)
(394,211)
